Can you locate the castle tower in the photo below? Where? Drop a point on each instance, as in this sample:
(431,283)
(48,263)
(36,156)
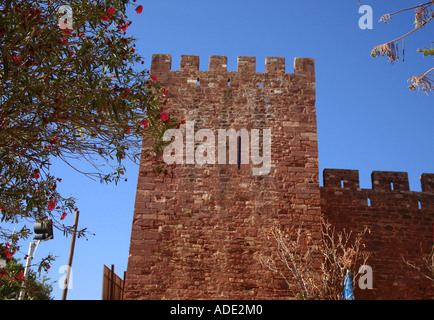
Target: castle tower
(197,226)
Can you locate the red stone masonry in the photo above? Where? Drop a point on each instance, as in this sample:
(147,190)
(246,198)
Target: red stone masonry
(401,223)
(196,227)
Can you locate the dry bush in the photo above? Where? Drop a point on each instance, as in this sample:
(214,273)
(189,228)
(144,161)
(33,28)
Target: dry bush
(315,268)
(427,269)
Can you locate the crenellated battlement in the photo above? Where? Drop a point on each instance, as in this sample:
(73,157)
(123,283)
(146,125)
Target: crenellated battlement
(381,180)
(389,190)
(274,66)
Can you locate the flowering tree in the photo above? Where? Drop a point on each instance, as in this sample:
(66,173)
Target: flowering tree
(12,277)
(69,90)
(424,14)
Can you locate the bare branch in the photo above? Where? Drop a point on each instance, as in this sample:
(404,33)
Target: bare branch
(424,15)
(429,265)
(388,16)
(424,82)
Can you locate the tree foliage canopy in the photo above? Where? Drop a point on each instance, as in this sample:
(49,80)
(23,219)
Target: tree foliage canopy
(12,278)
(74,93)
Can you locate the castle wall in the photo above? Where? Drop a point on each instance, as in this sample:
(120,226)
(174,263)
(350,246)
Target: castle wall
(196,227)
(401,224)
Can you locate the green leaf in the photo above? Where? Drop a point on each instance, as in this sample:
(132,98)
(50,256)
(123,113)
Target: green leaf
(427,51)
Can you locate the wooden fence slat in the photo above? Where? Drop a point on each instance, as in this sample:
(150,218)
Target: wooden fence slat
(112,285)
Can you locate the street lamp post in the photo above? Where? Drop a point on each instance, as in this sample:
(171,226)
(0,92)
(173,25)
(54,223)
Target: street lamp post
(32,248)
(43,231)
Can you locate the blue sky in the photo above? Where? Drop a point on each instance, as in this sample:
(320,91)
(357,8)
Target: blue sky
(367,118)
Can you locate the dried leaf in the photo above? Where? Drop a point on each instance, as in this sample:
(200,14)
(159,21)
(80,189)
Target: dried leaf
(390,49)
(422,15)
(423,82)
(385,18)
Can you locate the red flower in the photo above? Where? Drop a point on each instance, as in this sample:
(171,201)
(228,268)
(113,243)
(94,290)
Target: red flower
(19,276)
(17,59)
(67,31)
(154,79)
(54,140)
(35,174)
(8,254)
(105,18)
(63,216)
(139,9)
(111,11)
(128,131)
(51,205)
(36,12)
(144,123)
(124,27)
(164,116)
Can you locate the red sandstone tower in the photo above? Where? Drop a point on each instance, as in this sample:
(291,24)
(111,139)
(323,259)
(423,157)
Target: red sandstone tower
(196,227)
